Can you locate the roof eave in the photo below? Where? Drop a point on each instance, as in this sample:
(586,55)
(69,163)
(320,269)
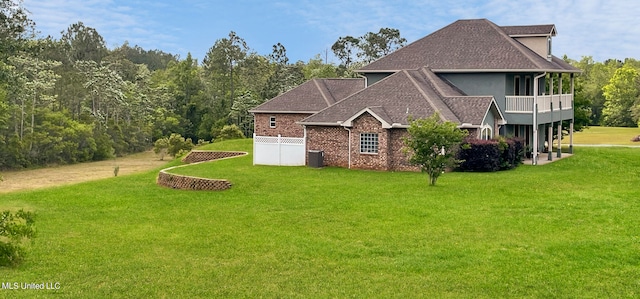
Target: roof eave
(283,112)
(479,71)
(385,124)
(531,35)
(504,71)
(376,71)
(323,124)
(469,126)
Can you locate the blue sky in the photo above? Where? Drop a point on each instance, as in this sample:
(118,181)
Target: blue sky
(599,28)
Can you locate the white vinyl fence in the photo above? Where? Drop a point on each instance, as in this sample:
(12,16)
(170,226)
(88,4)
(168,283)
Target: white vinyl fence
(281,151)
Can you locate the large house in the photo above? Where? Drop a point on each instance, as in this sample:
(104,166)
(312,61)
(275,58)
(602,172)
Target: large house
(490,80)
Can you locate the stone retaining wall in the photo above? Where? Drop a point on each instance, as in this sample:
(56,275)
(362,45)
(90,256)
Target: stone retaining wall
(184,182)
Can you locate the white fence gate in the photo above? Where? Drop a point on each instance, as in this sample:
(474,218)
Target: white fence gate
(281,151)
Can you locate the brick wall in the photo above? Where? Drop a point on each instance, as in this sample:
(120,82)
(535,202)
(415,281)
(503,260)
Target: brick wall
(184,182)
(331,140)
(334,142)
(398,160)
(196,156)
(285,124)
(475,133)
(366,123)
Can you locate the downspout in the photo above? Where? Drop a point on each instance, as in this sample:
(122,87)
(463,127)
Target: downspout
(534,154)
(349,143)
(306,152)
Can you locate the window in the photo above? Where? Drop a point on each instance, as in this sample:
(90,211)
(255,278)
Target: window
(527,85)
(549,48)
(369,143)
(272,122)
(486,132)
(516,85)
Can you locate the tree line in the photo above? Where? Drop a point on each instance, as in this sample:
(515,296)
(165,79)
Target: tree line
(610,91)
(71,99)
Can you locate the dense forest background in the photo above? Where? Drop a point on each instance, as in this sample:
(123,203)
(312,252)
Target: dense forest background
(69,98)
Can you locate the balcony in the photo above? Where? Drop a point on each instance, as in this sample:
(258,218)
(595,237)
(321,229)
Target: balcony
(524,104)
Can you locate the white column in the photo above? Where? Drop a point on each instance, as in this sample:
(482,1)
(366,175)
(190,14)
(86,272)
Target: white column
(560,109)
(550,142)
(573,112)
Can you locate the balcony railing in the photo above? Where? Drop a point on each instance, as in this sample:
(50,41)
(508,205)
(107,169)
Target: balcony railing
(524,104)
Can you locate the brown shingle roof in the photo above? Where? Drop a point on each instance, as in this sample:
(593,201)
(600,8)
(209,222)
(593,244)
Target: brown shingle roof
(404,95)
(311,96)
(531,30)
(471,109)
(467,45)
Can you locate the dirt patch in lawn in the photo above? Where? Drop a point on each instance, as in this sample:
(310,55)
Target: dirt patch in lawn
(82,172)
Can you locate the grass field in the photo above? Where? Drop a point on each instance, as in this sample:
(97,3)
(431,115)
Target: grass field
(567,229)
(19,180)
(606,135)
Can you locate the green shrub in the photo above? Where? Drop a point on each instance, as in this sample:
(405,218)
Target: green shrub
(512,152)
(181,153)
(177,144)
(161,147)
(15,230)
(491,155)
(173,146)
(230,132)
(479,155)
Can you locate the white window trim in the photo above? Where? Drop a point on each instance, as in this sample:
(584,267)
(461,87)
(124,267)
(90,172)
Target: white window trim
(272,122)
(486,132)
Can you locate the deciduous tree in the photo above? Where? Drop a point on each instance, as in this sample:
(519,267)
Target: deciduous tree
(432,144)
(589,84)
(315,68)
(621,96)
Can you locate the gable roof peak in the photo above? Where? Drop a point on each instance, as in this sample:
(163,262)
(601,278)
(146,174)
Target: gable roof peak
(311,96)
(530,30)
(470,45)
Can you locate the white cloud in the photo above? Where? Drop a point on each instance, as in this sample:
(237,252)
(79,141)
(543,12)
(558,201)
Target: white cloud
(116,22)
(599,28)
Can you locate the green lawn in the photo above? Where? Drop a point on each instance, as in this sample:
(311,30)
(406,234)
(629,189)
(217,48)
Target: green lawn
(605,135)
(567,229)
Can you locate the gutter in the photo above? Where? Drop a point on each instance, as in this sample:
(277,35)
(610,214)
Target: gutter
(436,71)
(304,123)
(282,112)
(349,143)
(561,70)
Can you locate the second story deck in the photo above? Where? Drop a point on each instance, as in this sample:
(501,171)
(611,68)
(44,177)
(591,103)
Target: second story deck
(546,103)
